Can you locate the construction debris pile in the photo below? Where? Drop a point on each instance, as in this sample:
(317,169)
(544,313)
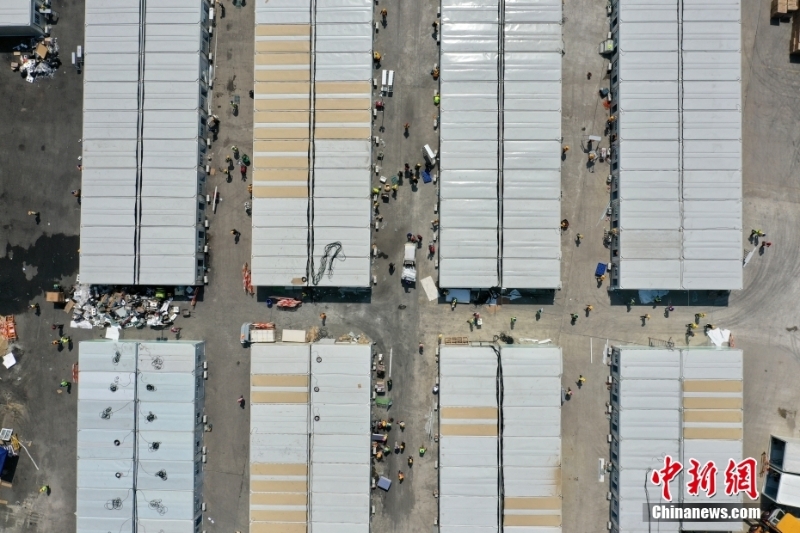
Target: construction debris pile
(352,338)
(36,60)
(100,307)
(783,11)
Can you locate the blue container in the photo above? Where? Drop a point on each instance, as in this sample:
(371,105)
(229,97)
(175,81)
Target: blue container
(269,303)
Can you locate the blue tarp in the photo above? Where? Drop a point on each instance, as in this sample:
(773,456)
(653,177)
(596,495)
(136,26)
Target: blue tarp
(3,455)
(426,176)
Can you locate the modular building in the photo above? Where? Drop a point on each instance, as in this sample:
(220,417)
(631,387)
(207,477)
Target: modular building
(685,404)
(676,130)
(310,438)
(21,18)
(500,153)
(140,436)
(312,152)
(146,96)
(500,461)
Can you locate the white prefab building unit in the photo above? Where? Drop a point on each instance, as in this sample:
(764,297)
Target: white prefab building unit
(687,404)
(500,145)
(146,90)
(140,436)
(21,18)
(312,159)
(476,432)
(677,156)
(310,437)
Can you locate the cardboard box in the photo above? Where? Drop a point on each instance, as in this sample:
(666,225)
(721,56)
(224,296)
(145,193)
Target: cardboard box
(55,297)
(792,5)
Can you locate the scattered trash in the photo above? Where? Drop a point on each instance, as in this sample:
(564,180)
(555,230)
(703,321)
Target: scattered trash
(114,307)
(39,59)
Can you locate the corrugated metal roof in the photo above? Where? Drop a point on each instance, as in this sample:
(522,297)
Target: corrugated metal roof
(311,208)
(470,146)
(532,438)
(16,12)
(470,491)
(323,461)
(171,129)
(656,396)
(680,148)
(155,382)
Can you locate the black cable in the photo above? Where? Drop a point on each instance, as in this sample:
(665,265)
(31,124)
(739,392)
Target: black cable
(332,252)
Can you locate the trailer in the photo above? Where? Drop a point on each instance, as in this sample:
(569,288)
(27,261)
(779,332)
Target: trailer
(259,332)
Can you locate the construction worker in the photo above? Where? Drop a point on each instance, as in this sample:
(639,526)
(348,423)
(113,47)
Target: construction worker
(612,119)
(376,56)
(376,190)
(436,100)
(33,213)
(589,308)
(400,476)
(569,392)
(578,237)
(435,73)
(405,127)
(581,380)
(632,302)
(692,325)
(64,384)
(45,489)
(698,316)
(402,446)
(323,317)
(646,317)
(384,13)
(513,320)
(422,450)
(65,340)
(539,313)
(565,149)
(34,307)
(574,317)
(657,299)
(417,166)
(453,304)
(55,342)
(410,461)
(431,249)
(710,326)
(421,347)
(402,425)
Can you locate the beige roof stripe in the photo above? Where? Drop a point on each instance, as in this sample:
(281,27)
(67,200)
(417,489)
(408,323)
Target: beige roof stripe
(284,59)
(266,174)
(283,75)
(282,104)
(532,503)
(279,380)
(273,46)
(469,412)
(257,485)
(261,161)
(278,516)
(282,88)
(282,117)
(469,430)
(550,520)
(710,385)
(278,397)
(280,133)
(278,498)
(263,30)
(281,146)
(712,403)
(713,433)
(278,527)
(278,469)
(713,415)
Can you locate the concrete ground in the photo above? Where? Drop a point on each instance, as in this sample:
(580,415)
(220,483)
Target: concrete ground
(38,159)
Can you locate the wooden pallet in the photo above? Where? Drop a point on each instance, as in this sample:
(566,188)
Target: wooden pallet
(8,328)
(461,341)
